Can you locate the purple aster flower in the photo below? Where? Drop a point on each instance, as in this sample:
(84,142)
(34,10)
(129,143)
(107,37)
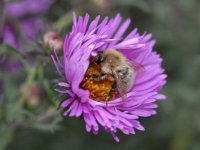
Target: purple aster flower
(29,22)
(30,27)
(83,43)
(27,7)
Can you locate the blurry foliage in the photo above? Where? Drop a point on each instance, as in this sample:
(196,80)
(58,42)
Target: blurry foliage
(175,25)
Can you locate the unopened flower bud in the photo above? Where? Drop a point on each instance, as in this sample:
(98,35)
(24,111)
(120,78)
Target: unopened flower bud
(33,95)
(53,40)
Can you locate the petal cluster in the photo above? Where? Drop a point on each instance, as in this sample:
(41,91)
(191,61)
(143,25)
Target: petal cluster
(87,39)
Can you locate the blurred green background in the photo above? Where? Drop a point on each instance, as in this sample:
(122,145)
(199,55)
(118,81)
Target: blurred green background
(175,25)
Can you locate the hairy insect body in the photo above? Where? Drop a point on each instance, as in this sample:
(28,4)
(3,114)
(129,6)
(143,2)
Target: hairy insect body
(116,67)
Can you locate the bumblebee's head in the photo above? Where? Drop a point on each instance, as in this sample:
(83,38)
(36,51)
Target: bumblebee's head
(100,58)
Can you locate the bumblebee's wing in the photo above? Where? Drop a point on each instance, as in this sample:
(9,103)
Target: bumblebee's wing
(120,86)
(138,67)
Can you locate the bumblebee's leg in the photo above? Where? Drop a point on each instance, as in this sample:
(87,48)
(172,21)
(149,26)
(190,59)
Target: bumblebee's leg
(111,78)
(99,58)
(97,77)
(114,87)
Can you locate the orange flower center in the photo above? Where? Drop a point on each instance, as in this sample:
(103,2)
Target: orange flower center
(100,89)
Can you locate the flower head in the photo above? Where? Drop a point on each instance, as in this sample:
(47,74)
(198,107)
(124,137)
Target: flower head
(29,22)
(84,43)
(27,7)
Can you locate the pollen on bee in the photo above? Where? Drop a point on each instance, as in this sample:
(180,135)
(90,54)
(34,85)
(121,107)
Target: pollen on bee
(100,90)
